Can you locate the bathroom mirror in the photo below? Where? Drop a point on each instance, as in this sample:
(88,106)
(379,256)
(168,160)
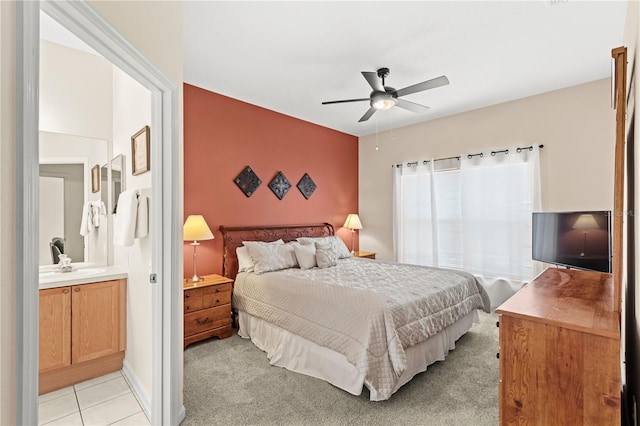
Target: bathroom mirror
(117,180)
(104,186)
(65,189)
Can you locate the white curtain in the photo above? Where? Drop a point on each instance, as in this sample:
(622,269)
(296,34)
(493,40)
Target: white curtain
(474,215)
(499,194)
(415,231)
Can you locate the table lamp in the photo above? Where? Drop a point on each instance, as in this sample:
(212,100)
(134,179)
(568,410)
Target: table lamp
(196,229)
(353,223)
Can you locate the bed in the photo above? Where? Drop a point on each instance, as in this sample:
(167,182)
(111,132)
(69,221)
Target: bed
(355,323)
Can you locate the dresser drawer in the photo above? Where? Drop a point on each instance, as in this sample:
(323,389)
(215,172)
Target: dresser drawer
(207,319)
(207,297)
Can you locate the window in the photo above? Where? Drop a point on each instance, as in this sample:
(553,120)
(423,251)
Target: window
(472,214)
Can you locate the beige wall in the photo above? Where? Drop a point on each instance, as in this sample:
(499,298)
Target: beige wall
(152,27)
(576,125)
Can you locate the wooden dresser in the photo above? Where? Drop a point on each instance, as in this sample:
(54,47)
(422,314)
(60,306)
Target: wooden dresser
(207,308)
(560,351)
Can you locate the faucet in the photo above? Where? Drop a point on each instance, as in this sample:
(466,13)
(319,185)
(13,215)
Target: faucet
(64,264)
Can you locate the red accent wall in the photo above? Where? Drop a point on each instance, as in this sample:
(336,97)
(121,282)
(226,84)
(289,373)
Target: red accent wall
(223,135)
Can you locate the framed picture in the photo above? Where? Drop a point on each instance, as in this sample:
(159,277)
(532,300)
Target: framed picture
(140,158)
(95,178)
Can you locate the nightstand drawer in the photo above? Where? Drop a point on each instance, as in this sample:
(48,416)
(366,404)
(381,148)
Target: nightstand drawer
(206,297)
(206,319)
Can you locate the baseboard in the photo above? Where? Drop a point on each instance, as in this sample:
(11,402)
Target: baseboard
(181,414)
(136,386)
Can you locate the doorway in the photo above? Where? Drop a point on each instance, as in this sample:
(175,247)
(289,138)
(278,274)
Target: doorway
(165,268)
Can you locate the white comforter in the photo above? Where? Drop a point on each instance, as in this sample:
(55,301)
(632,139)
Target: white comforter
(369,311)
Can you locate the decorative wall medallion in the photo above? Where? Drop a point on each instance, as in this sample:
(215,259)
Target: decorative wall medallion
(279,185)
(306,186)
(248,181)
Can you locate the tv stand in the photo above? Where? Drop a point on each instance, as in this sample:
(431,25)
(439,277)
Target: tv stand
(560,351)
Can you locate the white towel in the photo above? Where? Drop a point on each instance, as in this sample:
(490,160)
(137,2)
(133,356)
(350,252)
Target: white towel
(97,209)
(91,213)
(85,225)
(142,219)
(125,220)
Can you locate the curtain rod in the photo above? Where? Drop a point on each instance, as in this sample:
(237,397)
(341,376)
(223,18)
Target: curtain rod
(480,154)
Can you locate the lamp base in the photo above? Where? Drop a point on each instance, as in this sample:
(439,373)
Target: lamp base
(196,279)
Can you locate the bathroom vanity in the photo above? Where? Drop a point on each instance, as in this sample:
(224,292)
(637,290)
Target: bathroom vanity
(82,325)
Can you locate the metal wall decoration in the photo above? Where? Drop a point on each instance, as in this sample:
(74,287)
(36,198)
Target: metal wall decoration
(279,185)
(248,181)
(306,186)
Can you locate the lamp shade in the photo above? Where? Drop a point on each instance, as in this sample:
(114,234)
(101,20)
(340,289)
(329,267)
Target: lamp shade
(353,222)
(586,221)
(196,229)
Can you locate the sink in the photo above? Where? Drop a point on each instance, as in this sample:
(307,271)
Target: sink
(77,273)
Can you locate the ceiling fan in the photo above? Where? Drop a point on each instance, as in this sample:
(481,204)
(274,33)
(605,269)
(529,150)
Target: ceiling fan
(384,97)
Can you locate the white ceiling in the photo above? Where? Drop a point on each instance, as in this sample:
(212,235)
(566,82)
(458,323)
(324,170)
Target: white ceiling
(291,56)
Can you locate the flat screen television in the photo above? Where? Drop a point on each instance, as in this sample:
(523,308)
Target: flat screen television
(580,240)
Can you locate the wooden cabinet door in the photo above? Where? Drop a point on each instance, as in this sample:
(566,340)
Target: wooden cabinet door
(55,328)
(96,321)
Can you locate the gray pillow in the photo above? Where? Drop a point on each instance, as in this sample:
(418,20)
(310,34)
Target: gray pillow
(340,246)
(326,254)
(272,257)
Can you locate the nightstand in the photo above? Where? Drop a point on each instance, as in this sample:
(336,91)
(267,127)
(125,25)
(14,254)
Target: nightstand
(366,254)
(207,308)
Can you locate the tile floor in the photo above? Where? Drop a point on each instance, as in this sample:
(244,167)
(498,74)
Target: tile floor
(105,400)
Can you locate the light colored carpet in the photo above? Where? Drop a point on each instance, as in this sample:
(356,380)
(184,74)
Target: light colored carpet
(230,382)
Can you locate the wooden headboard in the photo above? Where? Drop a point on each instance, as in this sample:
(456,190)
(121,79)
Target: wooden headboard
(232,238)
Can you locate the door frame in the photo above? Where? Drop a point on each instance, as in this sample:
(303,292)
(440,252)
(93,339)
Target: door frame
(166,227)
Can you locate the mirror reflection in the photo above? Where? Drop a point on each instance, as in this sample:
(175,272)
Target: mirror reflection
(117,180)
(110,193)
(73,219)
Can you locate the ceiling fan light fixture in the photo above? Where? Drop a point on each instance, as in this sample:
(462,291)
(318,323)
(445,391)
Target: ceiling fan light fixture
(383,101)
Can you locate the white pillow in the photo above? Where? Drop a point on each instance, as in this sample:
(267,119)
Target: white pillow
(326,254)
(245,264)
(306,255)
(272,257)
(341,248)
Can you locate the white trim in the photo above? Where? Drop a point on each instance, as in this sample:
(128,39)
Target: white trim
(136,387)
(82,20)
(27,200)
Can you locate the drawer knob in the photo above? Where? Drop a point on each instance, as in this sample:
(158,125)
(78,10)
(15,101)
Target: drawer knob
(217,300)
(203,321)
(186,296)
(186,307)
(217,290)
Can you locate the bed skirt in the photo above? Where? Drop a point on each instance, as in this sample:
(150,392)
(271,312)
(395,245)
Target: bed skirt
(295,353)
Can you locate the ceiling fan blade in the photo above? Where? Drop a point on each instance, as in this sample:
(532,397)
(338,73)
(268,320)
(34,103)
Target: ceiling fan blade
(373,80)
(346,100)
(367,115)
(425,85)
(412,106)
